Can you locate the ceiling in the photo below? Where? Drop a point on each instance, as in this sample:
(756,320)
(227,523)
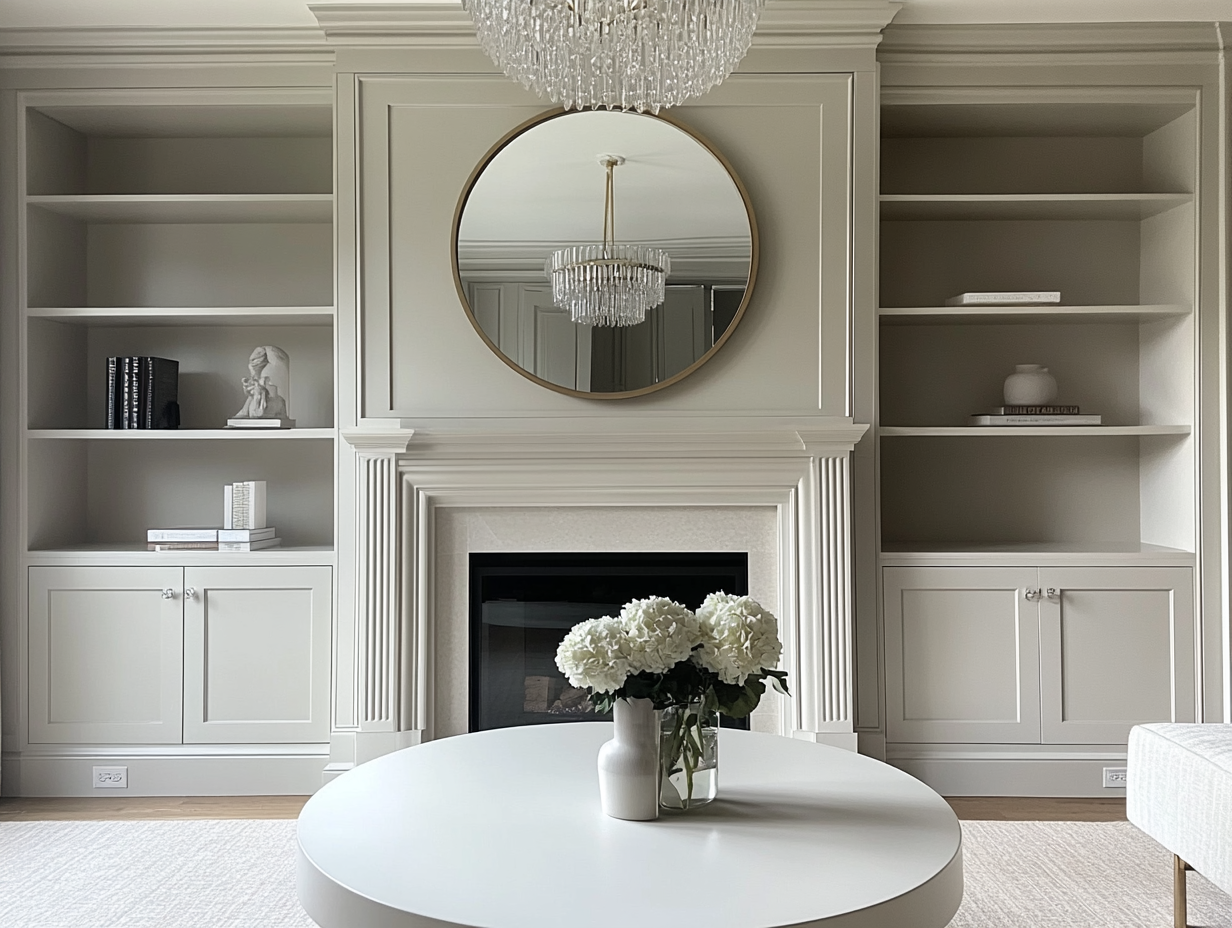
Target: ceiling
(283,13)
(547,185)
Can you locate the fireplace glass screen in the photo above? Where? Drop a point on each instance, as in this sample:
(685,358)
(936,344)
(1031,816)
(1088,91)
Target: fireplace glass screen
(521,606)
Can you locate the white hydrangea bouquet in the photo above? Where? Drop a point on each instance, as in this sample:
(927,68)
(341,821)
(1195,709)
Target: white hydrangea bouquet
(695,663)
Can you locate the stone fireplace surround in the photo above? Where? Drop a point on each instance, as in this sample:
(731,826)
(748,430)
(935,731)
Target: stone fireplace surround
(777,488)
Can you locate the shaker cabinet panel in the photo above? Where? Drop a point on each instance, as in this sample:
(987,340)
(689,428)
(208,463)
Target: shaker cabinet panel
(961,655)
(105,655)
(1117,649)
(257,654)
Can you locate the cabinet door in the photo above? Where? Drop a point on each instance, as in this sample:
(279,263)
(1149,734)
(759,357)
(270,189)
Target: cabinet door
(552,346)
(1116,649)
(105,655)
(962,658)
(256,654)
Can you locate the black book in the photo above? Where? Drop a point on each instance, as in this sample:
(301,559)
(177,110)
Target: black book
(160,393)
(113,405)
(143,377)
(128,410)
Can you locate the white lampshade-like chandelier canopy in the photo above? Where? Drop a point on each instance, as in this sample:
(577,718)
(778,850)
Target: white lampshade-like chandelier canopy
(639,55)
(608,284)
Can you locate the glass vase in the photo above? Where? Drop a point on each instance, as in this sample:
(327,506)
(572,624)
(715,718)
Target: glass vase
(689,756)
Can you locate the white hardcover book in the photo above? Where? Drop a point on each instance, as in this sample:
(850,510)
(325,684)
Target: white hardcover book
(246,534)
(1006,298)
(226,507)
(181,534)
(249,545)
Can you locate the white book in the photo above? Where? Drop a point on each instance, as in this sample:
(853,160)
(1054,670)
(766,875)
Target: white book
(248,504)
(226,507)
(260,423)
(249,545)
(1006,298)
(246,534)
(181,534)
(1083,419)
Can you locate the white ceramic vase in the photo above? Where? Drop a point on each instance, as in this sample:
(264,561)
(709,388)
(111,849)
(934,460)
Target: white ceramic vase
(1030,385)
(629,763)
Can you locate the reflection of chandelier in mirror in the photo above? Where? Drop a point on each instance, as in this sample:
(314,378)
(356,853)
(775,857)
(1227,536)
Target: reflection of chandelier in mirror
(608,284)
(619,54)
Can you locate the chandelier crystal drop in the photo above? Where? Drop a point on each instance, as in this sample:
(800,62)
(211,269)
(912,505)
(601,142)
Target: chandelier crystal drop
(617,54)
(608,284)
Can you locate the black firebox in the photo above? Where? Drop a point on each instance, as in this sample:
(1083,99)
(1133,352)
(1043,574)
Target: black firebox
(521,606)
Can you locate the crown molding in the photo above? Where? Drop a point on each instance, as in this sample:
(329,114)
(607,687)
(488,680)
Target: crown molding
(784,23)
(814,24)
(35,47)
(921,42)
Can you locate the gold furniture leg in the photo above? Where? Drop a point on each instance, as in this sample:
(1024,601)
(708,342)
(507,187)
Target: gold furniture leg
(1179,907)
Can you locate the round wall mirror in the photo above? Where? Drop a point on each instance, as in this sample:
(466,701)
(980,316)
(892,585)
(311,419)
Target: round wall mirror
(604,254)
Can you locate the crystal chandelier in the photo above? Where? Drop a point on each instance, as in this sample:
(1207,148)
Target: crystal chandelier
(619,54)
(608,284)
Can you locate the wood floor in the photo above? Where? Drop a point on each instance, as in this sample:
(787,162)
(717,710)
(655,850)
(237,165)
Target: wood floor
(151,807)
(994,808)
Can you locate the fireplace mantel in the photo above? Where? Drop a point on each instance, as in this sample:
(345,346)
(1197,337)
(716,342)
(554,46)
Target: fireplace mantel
(797,468)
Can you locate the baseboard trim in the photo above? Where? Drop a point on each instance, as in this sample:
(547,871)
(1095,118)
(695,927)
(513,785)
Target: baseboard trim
(1042,777)
(237,775)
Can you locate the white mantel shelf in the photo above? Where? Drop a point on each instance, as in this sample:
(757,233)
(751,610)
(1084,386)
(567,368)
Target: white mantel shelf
(624,437)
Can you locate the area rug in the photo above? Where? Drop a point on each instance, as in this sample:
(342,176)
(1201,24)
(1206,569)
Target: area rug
(241,874)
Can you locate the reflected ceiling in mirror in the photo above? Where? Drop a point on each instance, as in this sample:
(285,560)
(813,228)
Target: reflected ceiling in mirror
(542,189)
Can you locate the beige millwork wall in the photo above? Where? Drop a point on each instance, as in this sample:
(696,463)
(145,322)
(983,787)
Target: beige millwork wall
(418,109)
(425,419)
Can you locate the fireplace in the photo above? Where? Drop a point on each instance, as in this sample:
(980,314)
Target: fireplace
(521,606)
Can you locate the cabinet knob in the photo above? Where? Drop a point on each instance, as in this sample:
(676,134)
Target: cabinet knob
(168,593)
(190,592)
(1053,593)
(1032,594)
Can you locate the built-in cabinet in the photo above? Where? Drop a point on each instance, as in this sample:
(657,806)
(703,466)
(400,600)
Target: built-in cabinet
(1025,655)
(1040,585)
(194,226)
(170,655)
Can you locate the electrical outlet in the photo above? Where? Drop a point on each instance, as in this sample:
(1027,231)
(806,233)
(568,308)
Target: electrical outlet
(1114,778)
(111,778)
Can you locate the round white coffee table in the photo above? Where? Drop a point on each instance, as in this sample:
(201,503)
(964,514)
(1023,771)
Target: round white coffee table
(502,829)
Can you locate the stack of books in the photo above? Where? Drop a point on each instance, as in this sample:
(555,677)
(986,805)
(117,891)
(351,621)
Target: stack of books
(143,393)
(211,539)
(1036,415)
(243,525)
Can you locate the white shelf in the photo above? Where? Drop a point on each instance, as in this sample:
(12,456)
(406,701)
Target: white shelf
(949,315)
(191,208)
(1131,206)
(186,315)
(120,554)
(997,431)
(1108,554)
(182,434)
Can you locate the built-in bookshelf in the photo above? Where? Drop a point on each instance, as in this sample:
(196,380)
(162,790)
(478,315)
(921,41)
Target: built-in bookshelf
(193,227)
(1096,200)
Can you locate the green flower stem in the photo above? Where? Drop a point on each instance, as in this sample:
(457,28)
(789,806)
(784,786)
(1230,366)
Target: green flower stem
(684,747)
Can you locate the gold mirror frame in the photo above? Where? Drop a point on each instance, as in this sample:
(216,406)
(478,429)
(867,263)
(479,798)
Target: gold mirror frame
(625,394)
